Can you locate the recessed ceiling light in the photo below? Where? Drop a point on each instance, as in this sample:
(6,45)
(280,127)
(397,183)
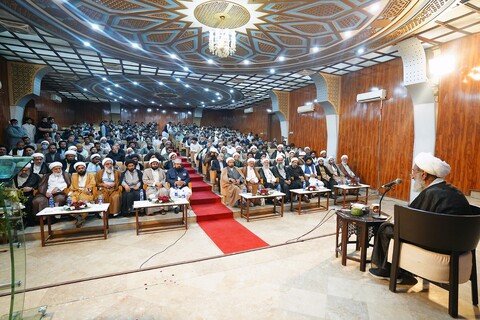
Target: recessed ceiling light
(233,101)
(217,94)
(202,102)
(185,69)
(246,61)
(163,111)
(160,105)
(149,109)
(187,86)
(315,49)
(348,34)
(160,83)
(157,109)
(189,112)
(188,103)
(135,110)
(135,100)
(104,79)
(115,100)
(269,110)
(213,100)
(209,61)
(120,97)
(108,89)
(135,45)
(361,50)
(86,44)
(170,103)
(272,71)
(95,26)
(173,56)
(177,79)
(110,93)
(152,102)
(219,98)
(231,90)
(84,89)
(206,89)
(116,85)
(281,58)
(135,83)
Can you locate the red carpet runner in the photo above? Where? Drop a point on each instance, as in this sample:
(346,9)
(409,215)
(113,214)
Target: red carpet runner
(217,220)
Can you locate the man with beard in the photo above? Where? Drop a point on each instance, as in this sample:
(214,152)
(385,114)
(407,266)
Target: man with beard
(27,181)
(326,176)
(94,165)
(69,161)
(3,150)
(280,173)
(135,158)
(297,176)
(311,173)
(62,148)
(155,180)
(105,147)
(81,189)
(178,178)
(44,127)
(39,167)
(436,195)
(14,133)
(18,151)
(278,152)
(232,182)
(345,170)
(28,142)
(51,185)
(108,185)
(236,160)
(332,167)
(132,186)
(116,154)
(252,177)
(28,151)
(52,155)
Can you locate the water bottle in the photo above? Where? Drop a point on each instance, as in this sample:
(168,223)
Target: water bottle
(176,192)
(100,198)
(304,184)
(259,188)
(69,200)
(339,182)
(141,195)
(358,180)
(183,194)
(279,188)
(51,203)
(244,190)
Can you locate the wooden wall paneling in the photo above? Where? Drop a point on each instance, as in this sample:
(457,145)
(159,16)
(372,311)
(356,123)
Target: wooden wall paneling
(458,126)
(4,101)
(359,131)
(309,129)
(217,118)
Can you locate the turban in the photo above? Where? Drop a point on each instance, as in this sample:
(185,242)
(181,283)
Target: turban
(70,152)
(38,154)
(178,160)
(28,166)
(72,148)
(291,151)
(103,139)
(44,142)
(265,160)
(323,151)
(279,145)
(106,160)
(432,165)
(294,159)
(344,157)
(235,154)
(321,159)
(306,148)
(95,155)
(331,157)
(230,158)
(171,155)
(54,164)
(214,150)
(250,160)
(302,153)
(279,157)
(129,149)
(154,160)
(79,163)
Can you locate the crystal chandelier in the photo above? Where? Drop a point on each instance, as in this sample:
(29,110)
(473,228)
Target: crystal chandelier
(222,42)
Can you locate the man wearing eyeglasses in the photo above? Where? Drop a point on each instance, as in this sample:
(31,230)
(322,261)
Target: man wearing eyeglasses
(436,195)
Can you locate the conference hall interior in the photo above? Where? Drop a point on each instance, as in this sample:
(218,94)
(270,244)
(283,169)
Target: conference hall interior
(173,82)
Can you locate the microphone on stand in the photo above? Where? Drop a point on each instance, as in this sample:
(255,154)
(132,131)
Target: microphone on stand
(391,184)
(388,187)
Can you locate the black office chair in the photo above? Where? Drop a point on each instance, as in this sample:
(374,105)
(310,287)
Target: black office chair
(454,236)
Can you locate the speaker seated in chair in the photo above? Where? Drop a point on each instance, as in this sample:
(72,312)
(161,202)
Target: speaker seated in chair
(437,247)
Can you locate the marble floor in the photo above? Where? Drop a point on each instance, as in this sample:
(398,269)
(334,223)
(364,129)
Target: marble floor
(183,275)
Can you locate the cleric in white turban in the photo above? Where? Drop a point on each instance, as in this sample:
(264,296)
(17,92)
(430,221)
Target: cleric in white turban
(436,195)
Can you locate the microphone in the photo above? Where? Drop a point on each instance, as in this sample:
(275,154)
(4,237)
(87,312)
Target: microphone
(391,184)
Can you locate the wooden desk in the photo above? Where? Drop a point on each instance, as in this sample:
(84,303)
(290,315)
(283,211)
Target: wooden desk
(344,188)
(300,193)
(261,213)
(163,222)
(55,236)
(364,227)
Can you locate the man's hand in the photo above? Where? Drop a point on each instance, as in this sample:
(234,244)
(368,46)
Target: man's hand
(158,184)
(136,188)
(179,183)
(27,189)
(127,188)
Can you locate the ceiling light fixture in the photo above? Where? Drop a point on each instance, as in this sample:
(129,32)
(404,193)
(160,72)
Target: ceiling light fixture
(222,42)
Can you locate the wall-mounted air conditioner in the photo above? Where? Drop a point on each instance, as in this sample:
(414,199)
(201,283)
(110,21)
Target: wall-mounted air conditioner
(372,96)
(309,107)
(56,98)
(248,110)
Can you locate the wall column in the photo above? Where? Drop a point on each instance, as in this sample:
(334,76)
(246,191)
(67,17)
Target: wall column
(328,95)
(424,106)
(281,107)
(115,111)
(197,116)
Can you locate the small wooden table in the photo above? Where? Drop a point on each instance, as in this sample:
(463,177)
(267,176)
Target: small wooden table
(164,223)
(56,236)
(301,192)
(364,227)
(346,188)
(261,213)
